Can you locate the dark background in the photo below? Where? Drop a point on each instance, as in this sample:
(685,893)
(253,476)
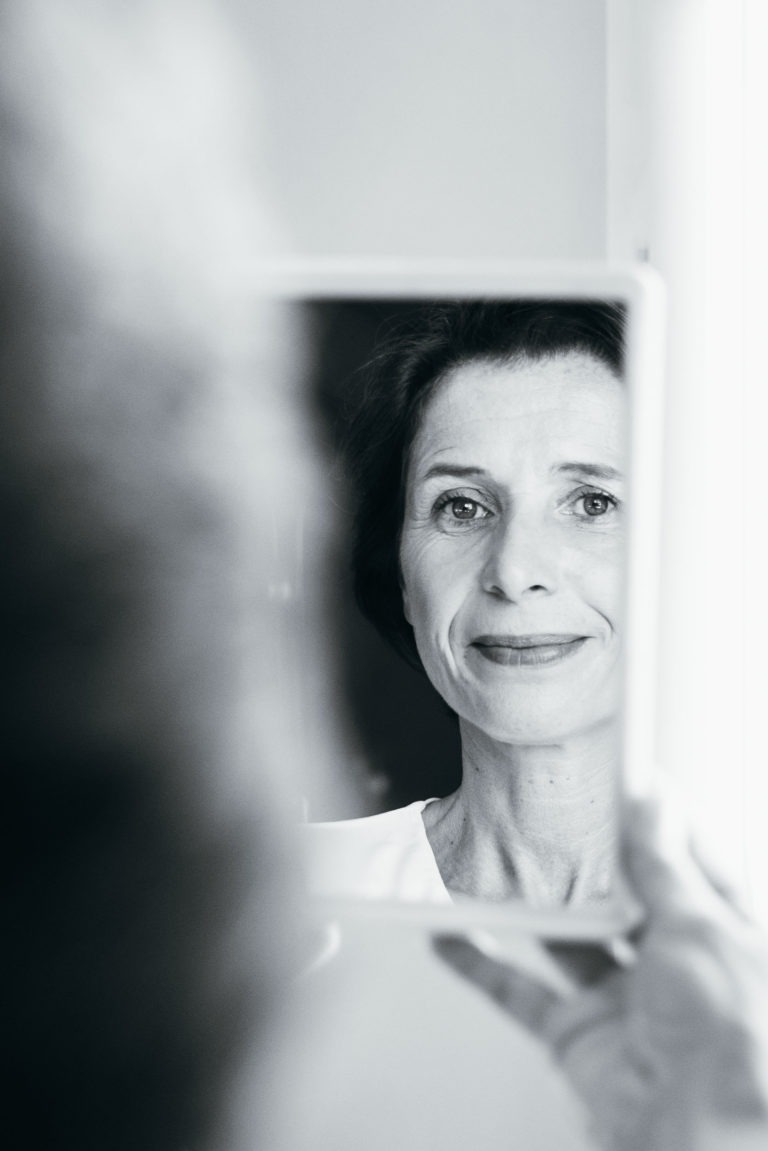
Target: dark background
(408,737)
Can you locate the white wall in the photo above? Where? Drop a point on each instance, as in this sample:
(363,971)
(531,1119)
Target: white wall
(424,128)
(755,186)
(676,155)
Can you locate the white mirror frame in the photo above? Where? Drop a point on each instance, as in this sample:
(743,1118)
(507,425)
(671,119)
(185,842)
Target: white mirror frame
(640,288)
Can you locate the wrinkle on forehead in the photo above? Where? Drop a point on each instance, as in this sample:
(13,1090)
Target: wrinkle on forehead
(569,403)
(552,380)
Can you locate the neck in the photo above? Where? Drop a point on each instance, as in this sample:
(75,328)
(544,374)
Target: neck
(532,821)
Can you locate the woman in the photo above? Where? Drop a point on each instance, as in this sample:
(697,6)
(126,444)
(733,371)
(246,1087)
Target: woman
(489,546)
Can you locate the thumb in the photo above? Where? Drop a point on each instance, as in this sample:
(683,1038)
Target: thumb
(561,1020)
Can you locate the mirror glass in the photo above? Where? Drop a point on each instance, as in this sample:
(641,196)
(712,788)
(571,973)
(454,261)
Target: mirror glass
(477,461)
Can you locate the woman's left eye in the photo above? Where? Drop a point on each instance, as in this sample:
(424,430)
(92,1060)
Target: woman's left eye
(597,504)
(591,504)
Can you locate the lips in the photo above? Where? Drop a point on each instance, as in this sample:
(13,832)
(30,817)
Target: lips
(528,650)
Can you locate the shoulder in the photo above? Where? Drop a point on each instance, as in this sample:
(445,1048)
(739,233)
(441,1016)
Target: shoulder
(370,828)
(384,856)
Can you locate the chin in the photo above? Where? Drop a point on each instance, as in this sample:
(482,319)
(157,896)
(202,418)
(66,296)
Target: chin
(518,725)
(539,714)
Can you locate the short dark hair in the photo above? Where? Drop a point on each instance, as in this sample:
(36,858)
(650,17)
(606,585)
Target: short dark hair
(398,381)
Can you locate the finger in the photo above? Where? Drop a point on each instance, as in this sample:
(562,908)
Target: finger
(519,994)
(562,1022)
(584,1017)
(586,964)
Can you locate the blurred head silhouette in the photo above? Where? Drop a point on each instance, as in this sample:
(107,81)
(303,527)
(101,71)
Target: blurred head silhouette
(142,400)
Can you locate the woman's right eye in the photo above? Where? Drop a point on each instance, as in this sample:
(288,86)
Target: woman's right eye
(453,510)
(465,509)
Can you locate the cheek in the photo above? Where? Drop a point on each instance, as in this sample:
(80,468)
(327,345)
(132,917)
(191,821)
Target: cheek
(596,571)
(423,598)
(411,567)
(431,589)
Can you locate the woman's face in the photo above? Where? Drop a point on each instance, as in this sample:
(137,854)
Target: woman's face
(512,550)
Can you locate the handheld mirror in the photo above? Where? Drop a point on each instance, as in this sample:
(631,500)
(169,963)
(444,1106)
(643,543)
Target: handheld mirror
(492,439)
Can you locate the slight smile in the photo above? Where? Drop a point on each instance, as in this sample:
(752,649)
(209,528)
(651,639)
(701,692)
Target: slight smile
(528,650)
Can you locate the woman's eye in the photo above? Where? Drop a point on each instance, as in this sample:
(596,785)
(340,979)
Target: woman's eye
(454,510)
(597,504)
(462,509)
(592,504)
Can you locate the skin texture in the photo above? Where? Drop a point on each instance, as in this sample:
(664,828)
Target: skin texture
(514,534)
(517,552)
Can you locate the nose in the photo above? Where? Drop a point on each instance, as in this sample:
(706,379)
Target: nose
(521,560)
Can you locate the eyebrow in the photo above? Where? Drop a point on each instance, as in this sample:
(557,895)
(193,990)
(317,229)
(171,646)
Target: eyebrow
(453,470)
(597,471)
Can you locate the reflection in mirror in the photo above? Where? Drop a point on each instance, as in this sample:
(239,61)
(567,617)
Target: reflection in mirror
(481,449)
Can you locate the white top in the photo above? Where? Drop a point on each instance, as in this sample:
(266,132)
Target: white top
(385,856)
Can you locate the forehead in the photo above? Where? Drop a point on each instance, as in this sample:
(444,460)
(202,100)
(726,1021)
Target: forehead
(573,396)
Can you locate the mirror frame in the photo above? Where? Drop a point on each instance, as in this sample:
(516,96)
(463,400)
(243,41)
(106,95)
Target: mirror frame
(641,289)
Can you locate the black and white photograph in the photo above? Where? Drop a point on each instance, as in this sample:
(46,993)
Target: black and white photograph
(383,591)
